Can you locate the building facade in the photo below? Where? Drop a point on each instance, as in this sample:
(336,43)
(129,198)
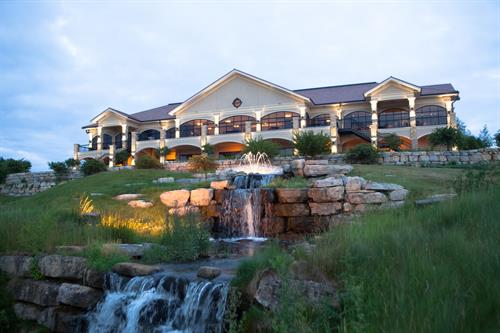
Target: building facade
(239,106)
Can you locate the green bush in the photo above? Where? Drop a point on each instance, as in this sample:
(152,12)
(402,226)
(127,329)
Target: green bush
(208,149)
(363,154)
(311,144)
(445,136)
(147,162)
(122,156)
(202,163)
(10,165)
(71,163)
(259,145)
(393,141)
(91,167)
(497,138)
(468,142)
(59,168)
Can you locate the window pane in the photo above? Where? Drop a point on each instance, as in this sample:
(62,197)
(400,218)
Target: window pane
(193,127)
(278,120)
(235,124)
(431,115)
(394,118)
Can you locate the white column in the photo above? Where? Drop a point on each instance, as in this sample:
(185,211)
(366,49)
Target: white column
(162,144)
(413,123)
(333,132)
(203,137)
(257,118)
(133,146)
(124,136)
(374,126)
(76,149)
(90,134)
(216,122)
(177,129)
(99,138)
(248,130)
(111,155)
(303,121)
(452,122)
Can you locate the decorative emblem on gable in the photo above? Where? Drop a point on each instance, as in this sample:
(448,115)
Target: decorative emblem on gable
(237,102)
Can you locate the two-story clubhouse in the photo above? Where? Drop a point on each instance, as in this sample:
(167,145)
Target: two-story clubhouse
(239,106)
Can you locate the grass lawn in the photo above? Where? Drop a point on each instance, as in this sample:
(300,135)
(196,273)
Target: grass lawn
(420,182)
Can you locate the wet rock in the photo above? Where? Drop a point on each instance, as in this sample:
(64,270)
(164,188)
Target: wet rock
(16,265)
(64,267)
(267,292)
(219,185)
(219,196)
(398,195)
(208,272)
(366,198)
(127,196)
(326,194)
(133,269)
(326,208)
(295,209)
(177,198)
(78,296)
(27,311)
(212,210)
(328,182)
(201,196)
(94,278)
(42,293)
(353,184)
(272,226)
(291,195)
(63,319)
(307,224)
(140,204)
(373,186)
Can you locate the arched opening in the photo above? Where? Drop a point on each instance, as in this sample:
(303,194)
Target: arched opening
(150,134)
(357,120)
(278,120)
(405,143)
(228,150)
(423,141)
(118,141)
(236,124)
(183,153)
(350,141)
(193,127)
(392,118)
(319,120)
(431,115)
(107,140)
(147,151)
(170,133)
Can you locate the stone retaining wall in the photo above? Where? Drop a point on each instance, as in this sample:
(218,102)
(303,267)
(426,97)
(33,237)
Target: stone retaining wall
(54,290)
(29,183)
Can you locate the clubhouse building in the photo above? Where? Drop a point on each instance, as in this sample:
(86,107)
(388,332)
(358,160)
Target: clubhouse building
(239,106)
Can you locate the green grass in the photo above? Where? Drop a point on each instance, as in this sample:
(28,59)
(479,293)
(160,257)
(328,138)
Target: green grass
(294,182)
(48,219)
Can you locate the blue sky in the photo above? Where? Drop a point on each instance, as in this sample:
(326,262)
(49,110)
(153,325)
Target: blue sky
(61,63)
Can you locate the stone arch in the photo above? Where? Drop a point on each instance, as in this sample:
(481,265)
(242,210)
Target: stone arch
(147,151)
(350,141)
(423,141)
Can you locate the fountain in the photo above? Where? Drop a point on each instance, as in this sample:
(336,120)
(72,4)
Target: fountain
(244,207)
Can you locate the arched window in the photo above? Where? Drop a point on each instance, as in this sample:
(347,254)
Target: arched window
(320,120)
(431,115)
(106,141)
(193,127)
(118,141)
(235,124)
(357,120)
(93,145)
(149,134)
(278,120)
(393,118)
(170,133)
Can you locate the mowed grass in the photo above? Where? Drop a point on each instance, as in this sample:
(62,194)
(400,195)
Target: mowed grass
(51,218)
(420,182)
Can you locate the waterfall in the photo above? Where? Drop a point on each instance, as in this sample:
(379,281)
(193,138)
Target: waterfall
(159,303)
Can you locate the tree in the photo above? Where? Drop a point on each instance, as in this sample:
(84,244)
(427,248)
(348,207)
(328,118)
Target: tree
(364,154)
(497,138)
(122,156)
(446,136)
(208,149)
(259,145)
(148,162)
(311,144)
(164,151)
(468,142)
(72,163)
(485,137)
(202,163)
(393,141)
(91,167)
(59,168)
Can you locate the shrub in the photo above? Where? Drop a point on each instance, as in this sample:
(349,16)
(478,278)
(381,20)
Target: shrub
(311,144)
(363,154)
(122,156)
(71,163)
(202,163)
(497,138)
(164,151)
(10,165)
(468,142)
(91,167)
(446,136)
(147,162)
(59,168)
(393,141)
(208,149)
(259,145)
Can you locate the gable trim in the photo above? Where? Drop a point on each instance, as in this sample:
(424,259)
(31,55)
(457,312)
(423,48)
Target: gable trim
(389,80)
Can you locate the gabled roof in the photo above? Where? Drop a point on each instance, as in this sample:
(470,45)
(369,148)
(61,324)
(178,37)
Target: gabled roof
(111,110)
(159,113)
(229,75)
(391,79)
(437,89)
(337,94)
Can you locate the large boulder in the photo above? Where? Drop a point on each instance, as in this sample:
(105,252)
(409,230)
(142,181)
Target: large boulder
(134,269)
(78,296)
(63,319)
(383,187)
(201,196)
(27,311)
(208,272)
(297,167)
(326,194)
(328,182)
(291,195)
(398,195)
(16,265)
(316,162)
(267,293)
(63,267)
(325,208)
(353,184)
(220,184)
(42,293)
(295,209)
(94,278)
(177,198)
(366,198)
(308,224)
(272,226)
(313,170)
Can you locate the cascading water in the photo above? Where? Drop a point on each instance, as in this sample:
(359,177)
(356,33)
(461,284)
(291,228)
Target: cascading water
(243,207)
(159,303)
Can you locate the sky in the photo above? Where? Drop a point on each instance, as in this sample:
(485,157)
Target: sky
(62,62)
